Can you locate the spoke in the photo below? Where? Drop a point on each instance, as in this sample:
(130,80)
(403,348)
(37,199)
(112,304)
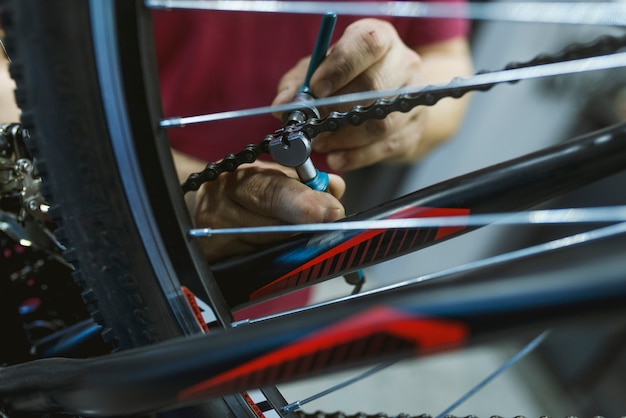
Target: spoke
(4,51)
(535,217)
(298,404)
(587,13)
(547,247)
(531,346)
(496,77)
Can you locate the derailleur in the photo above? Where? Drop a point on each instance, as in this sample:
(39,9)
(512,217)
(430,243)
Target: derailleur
(23,209)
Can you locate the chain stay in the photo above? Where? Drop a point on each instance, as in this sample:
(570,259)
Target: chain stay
(427,96)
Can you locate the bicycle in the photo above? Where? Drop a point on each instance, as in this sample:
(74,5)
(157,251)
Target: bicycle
(169,257)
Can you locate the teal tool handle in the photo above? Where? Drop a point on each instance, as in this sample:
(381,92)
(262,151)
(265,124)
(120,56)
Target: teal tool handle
(321,47)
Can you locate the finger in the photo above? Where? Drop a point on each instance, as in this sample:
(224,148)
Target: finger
(336,186)
(217,210)
(400,66)
(374,130)
(393,147)
(354,136)
(272,165)
(258,195)
(286,199)
(363,43)
(217,207)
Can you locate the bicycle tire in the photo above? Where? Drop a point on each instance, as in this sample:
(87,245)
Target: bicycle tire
(93,97)
(87,141)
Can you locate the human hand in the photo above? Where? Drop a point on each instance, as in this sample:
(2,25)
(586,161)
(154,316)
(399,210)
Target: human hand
(259,194)
(369,56)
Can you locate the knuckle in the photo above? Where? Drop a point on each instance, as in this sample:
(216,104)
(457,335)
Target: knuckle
(312,214)
(257,187)
(374,81)
(267,192)
(391,145)
(310,206)
(372,36)
(300,205)
(413,59)
(344,67)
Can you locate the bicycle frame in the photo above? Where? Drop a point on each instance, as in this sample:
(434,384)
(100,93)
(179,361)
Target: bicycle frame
(514,185)
(414,319)
(417,318)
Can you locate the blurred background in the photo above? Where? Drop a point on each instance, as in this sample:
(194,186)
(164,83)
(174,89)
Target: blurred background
(579,370)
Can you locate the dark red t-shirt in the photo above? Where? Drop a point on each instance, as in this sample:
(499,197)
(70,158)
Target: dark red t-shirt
(212,61)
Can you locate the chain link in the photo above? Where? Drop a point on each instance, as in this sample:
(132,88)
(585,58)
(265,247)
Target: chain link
(230,163)
(427,96)
(320,414)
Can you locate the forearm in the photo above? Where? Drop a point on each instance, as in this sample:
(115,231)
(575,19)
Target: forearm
(9,111)
(440,63)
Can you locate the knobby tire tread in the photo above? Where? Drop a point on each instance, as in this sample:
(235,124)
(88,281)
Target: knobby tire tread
(58,91)
(70,138)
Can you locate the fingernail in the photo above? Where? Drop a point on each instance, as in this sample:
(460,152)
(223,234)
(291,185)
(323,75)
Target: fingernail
(323,88)
(337,160)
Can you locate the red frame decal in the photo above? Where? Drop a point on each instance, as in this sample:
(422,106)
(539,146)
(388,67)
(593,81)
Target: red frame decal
(313,267)
(197,312)
(373,333)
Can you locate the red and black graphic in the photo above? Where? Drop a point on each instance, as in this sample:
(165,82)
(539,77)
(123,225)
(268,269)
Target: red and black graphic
(193,305)
(259,404)
(372,334)
(365,248)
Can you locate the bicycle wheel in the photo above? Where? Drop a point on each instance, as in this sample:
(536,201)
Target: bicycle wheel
(92,118)
(112,220)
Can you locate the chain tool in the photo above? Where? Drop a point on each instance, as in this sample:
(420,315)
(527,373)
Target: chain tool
(294,148)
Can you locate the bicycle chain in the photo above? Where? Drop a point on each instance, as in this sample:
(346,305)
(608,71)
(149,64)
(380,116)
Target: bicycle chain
(230,163)
(427,96)
(319,414)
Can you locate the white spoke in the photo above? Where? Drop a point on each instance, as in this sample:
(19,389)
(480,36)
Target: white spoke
(535,217)
(546,70)
(298,404)
(586,13)
(527,349)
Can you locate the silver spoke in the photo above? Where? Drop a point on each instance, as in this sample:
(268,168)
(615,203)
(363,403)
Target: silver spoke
(535,217)
(527,349)
(586,13)
(546,70)
(294,406)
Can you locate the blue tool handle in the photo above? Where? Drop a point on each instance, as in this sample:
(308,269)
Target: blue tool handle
(321,47)
(319,182)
